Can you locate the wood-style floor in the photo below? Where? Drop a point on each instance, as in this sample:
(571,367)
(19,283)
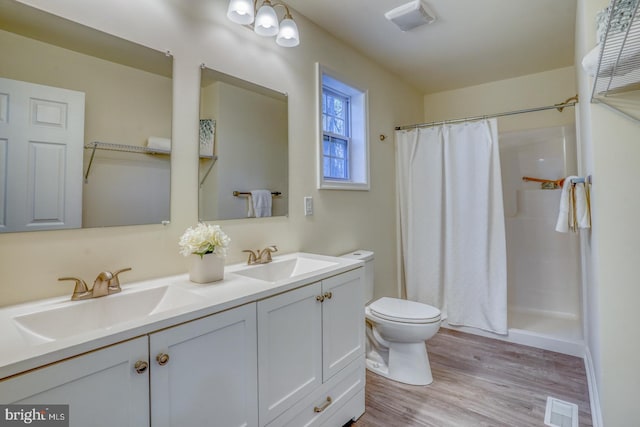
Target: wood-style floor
(479,381)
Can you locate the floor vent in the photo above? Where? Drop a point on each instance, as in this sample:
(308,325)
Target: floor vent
(560,413)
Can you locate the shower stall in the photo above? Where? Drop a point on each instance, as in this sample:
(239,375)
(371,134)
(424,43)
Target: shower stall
(543,266)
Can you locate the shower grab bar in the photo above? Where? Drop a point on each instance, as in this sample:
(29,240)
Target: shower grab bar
(558,182)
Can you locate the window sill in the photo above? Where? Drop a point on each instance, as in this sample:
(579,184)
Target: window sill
(342,185)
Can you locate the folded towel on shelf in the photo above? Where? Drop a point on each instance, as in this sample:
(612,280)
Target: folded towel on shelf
(574,212)
(591,60)
(261,203)
(159,143)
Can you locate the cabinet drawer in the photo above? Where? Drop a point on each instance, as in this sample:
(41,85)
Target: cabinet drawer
(342,387)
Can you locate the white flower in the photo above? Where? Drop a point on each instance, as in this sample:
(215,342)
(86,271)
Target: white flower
(204,239)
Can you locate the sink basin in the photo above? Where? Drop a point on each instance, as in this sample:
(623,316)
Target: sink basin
(284,269)
(77,317)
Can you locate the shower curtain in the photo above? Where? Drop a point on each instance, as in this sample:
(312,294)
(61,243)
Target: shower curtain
(452,222)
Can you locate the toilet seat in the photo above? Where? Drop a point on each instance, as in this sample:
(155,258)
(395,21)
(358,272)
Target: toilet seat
(400,310)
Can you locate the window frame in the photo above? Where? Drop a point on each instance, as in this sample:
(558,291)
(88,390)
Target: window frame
(358,141)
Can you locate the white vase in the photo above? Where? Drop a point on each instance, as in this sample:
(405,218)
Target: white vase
(206,268)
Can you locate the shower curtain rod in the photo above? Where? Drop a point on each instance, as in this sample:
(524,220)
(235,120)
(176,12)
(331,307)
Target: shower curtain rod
(568,103)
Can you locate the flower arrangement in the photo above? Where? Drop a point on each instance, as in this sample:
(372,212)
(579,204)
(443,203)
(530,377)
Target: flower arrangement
(204,239)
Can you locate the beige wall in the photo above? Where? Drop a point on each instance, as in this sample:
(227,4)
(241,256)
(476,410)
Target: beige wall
(611,150)
(534,90)
(198,32)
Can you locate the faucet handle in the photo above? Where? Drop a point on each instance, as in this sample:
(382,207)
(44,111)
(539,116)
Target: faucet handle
(114,283)
(253,258)
(81,291)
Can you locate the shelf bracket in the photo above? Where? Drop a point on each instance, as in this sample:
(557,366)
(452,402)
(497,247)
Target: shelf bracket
(93,153)
(214,159)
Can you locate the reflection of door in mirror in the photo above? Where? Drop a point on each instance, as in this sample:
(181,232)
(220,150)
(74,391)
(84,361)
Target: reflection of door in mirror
(251,144)
(127,104)
(41,135)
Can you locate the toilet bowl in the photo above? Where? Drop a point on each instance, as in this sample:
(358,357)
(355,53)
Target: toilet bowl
(396,333)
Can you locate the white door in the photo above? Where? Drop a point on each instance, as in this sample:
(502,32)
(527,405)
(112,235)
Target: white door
(289,349)
(41,145)
(342,321)
(102,388)
(204,373)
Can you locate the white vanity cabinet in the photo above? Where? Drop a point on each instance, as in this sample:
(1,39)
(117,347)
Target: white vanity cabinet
(102,388)
(311,352)
(249,353)
(199,373)
(204,373)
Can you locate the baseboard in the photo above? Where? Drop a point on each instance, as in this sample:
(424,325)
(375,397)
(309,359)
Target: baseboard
(594,397)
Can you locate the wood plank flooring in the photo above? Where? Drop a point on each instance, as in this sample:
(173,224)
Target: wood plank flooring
(479,382)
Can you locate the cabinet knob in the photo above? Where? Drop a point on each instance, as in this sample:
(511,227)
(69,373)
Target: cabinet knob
(162,359)
(328,295)
(141,366)
(324,406)
(320,298)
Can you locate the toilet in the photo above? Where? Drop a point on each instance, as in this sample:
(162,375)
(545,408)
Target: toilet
(396,332)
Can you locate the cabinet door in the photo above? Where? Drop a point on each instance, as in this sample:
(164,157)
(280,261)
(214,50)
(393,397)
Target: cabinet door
(102,388)
(343,321)
(208,376)
(289,349)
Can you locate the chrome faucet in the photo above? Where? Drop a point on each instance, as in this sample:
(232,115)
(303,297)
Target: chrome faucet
(260,256)
(106,283)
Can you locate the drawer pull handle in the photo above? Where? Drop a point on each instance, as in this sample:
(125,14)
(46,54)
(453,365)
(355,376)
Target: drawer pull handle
(162,359)
(328,295)
(324,406)
(141,366)
(320,298)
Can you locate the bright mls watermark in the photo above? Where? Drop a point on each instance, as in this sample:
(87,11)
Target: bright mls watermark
(34,415)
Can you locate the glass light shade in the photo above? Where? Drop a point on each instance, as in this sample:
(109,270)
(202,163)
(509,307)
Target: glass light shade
(240,11)
(266,21)
(288,35)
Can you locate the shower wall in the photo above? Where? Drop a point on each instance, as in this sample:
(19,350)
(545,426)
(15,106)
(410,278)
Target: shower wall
(543,265)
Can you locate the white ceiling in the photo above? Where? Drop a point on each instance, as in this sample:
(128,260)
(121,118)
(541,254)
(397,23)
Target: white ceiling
(472,41)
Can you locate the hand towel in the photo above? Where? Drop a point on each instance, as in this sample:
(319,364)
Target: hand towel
(261,203)
(159,143)
(574,212)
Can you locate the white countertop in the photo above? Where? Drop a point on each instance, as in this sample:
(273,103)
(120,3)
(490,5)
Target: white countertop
(20,352)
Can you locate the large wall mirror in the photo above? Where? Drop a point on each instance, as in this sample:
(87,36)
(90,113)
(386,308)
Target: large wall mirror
(85,126)
(243,149)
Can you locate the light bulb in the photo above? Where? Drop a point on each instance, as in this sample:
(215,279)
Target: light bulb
(241,11)
(288,35)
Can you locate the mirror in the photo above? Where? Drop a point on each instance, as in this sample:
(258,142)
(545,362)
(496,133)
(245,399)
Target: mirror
(85,126)
(249,143)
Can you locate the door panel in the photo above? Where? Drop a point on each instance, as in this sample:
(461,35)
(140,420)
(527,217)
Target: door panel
(42,128)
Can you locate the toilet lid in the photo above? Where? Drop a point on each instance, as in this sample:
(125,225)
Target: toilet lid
(401,310)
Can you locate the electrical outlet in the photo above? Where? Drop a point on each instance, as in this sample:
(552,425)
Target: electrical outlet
(308,206)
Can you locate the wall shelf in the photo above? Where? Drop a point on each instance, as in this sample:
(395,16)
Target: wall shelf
(617,80)
(97,145)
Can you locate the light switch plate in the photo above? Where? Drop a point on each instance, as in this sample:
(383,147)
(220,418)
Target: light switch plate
(308,206)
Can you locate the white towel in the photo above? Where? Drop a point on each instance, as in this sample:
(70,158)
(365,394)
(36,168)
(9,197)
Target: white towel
(591,60)
(159,143)
(574,209)
(261,203)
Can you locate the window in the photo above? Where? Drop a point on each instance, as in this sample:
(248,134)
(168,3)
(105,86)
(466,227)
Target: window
(343,154)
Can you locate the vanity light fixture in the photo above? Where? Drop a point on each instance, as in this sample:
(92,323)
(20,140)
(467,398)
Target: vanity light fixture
(265,20)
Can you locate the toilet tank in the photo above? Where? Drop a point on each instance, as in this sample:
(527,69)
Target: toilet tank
(367,257)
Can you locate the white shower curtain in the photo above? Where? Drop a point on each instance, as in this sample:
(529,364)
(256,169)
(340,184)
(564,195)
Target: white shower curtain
(452,222)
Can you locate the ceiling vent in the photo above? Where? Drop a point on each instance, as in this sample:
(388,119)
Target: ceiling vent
(411,15)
